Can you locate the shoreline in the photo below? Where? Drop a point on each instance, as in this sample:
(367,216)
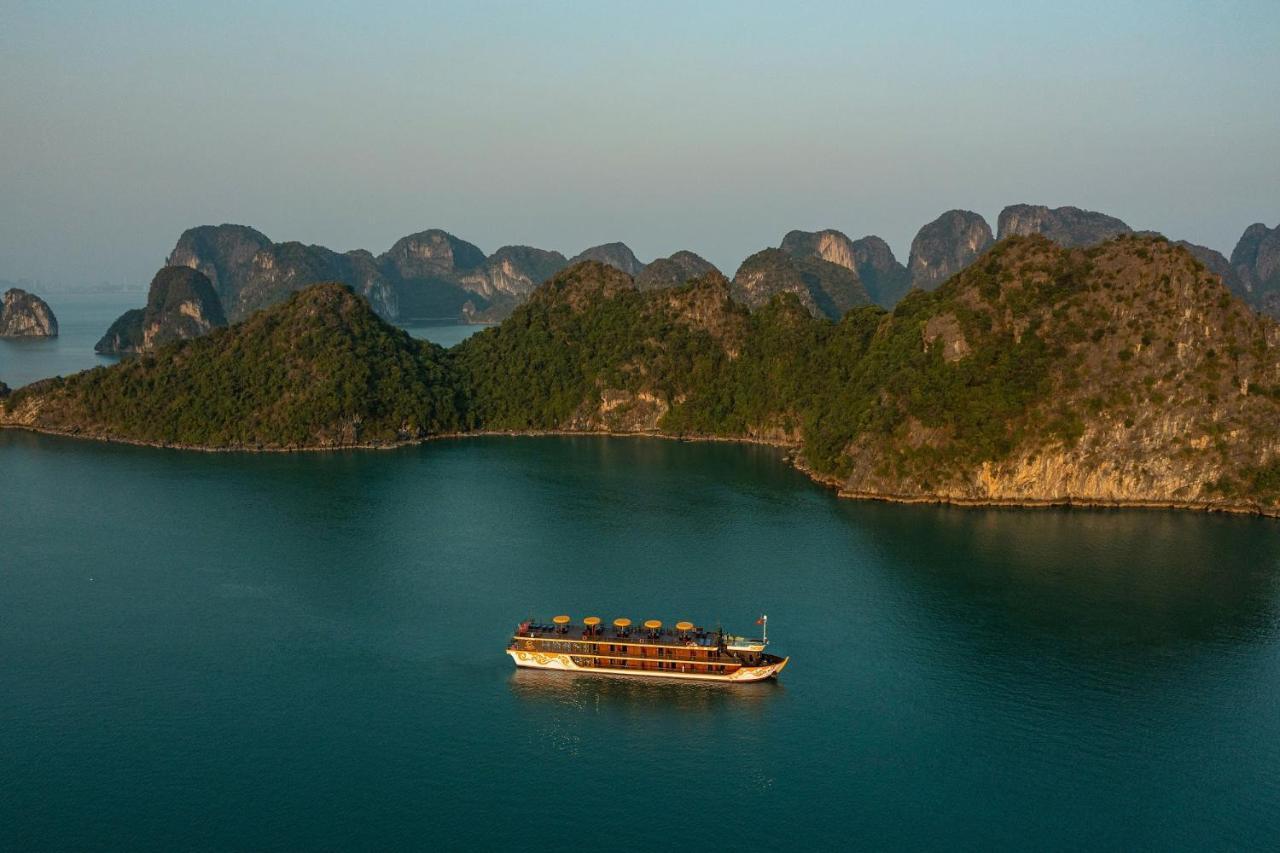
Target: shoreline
(790,455)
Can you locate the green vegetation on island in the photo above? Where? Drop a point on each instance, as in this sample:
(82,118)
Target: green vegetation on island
(1121,373)
(320,370)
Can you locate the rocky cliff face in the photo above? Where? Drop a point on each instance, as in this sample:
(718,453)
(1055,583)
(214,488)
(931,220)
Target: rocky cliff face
(431,254)
(181,304)
(885,280)
(506,279)
(673,271)
(124,335)
(25,315)
(249,272)
(1124,373)
(1256,260)
(431,274)
(224,253)
(512,271)
(616,255)
(828,244)
(824,288)
(1215,263)
(1066,226)
(947,245)
(284,268)
(1134,378)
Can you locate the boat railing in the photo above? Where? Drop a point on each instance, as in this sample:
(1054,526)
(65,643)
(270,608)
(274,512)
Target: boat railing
(574,646)
(663,636)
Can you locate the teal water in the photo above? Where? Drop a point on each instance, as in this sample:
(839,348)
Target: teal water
(442,332)
(83,318)
(229,651)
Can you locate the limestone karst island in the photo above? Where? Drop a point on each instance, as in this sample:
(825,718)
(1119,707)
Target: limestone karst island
(729,426)
(1068,360)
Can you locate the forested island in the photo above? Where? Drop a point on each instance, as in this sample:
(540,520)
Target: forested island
(1124,373)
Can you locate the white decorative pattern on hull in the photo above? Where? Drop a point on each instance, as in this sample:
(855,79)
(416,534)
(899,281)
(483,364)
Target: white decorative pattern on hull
(564,662)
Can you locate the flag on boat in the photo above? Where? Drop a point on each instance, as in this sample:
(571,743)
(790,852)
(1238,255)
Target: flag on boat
(760,621)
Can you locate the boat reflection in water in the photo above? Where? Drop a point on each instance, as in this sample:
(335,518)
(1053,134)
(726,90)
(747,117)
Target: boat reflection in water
(588,690)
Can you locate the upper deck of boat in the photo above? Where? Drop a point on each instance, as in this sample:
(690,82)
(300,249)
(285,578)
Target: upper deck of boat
(634,635)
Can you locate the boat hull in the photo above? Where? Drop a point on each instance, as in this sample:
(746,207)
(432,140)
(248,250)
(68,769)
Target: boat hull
(565,663)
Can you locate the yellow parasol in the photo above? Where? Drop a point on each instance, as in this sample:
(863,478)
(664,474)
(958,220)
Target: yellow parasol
(561,620)
(621,622)
(591,621)
(684,626)
(653,624)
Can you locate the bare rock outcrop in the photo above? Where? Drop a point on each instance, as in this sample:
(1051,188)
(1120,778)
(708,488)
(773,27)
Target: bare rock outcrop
(1155,386)
(181,304)
(25,315)
(1256,260)
(947,245)
(1069,227)
(250,272)
(884,278)
(512,272)
(1216,263)
(431,254)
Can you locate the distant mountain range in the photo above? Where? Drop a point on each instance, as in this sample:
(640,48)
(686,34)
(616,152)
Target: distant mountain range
(434,274)
(1121,373)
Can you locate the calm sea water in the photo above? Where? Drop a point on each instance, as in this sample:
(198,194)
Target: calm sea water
(83,318)
(228,651)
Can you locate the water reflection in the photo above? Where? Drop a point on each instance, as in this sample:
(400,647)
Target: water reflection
(1083,580)
(588,691)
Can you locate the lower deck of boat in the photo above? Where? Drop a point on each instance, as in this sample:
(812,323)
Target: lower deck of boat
(761,668)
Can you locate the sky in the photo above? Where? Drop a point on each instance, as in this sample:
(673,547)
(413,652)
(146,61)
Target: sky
(711,126)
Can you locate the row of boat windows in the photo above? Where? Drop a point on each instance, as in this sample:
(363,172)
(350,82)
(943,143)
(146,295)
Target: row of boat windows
(634,651)
(661,664)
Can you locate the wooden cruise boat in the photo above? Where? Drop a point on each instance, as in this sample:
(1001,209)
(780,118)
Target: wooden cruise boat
(649,649)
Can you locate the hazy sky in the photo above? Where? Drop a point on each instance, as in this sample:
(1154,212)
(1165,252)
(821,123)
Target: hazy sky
(710,126)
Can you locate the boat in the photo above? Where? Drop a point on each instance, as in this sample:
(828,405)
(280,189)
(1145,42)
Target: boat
(649,649)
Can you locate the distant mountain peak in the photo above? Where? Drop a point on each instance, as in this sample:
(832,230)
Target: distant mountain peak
(181,304)
(674,270)
(433,252)
(947,245)
(1256,260)
(824,288)
(1067,226)
(885,280)
(617,255)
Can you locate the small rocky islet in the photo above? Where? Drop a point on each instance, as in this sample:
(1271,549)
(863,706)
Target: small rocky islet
(1118,373)
(25,315)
